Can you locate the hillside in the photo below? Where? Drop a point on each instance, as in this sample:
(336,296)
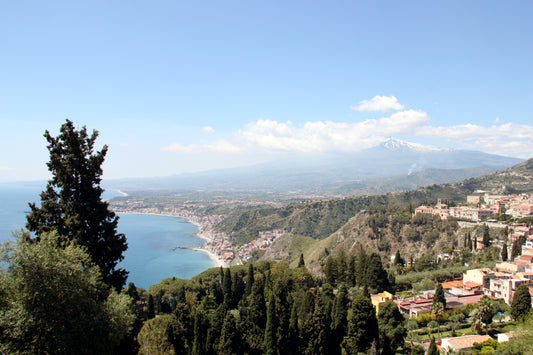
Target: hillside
(383,222)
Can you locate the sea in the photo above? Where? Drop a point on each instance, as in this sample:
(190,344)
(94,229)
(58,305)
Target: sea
(152,240)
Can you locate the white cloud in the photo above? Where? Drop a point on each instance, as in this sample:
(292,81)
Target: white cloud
(270,136)
(216,147)
(331,136)
(208,129)
(5,168)
(379,103)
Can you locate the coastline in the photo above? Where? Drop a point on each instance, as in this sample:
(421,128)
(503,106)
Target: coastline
(218,262)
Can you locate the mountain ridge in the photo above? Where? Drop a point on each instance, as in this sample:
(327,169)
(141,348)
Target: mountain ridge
(325,172)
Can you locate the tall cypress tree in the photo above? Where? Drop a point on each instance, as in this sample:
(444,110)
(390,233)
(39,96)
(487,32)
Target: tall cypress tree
(521,304)
(486,236)
(270,342)
(72,202)
(362,325)
(250,280)
(504,255)
(439,295)
(227,289)
(339,321)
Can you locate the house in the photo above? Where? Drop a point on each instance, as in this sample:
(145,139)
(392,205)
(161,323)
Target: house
(479,276)
(464,342)
(381,298)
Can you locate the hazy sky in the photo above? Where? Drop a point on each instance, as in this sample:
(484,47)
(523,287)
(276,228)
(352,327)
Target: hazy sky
(180,86)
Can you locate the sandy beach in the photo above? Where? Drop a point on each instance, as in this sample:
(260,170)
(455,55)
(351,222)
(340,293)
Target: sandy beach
(218,262)
(212,256)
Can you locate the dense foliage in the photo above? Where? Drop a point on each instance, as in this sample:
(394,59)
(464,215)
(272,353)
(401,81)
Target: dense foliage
(269,308)
(54,301)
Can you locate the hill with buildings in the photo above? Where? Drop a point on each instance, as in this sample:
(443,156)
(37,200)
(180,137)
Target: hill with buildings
(387,222)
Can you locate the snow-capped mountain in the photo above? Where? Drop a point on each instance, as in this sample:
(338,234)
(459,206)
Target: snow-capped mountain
(320,172)
(396,145)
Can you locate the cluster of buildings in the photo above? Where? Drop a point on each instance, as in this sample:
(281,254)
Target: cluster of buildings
(482,207)
(498,283)
(262,243)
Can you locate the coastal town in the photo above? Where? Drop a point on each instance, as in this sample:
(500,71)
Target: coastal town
(217,244)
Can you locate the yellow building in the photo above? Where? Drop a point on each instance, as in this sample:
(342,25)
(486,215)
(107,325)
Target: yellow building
(380,298)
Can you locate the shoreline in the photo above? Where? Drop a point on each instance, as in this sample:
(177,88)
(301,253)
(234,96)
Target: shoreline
(218,262)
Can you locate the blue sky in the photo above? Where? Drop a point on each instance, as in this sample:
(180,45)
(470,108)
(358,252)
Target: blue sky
(175,86)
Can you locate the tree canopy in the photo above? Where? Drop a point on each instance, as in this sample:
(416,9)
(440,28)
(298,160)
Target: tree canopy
(54,300)
(72,202)
(521,304)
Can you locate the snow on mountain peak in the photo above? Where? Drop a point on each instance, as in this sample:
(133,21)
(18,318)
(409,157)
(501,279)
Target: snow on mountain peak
(396,144)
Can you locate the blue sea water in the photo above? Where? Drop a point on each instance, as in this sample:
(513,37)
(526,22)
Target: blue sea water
(151,255)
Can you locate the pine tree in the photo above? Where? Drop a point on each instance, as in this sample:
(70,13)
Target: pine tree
(521,304)
(72,203)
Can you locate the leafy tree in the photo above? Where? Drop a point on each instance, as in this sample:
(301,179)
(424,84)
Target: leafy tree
(54,300)
(482,315)
(521,304)
(522,342)
(72,203)
(362,325)
(155,335)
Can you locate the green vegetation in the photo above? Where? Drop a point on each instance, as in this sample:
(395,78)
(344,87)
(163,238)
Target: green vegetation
(72,203)
(54,300)
(521,304)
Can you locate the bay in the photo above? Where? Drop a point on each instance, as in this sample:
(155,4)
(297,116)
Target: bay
(152,240)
